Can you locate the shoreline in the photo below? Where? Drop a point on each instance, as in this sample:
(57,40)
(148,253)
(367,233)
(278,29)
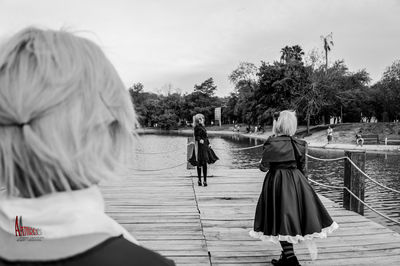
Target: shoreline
(264,136)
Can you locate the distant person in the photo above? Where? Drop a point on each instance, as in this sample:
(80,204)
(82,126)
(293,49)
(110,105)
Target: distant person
(329,134)
(66,123)
(261,128)
(288,210)
(202,154)
(248,129)
(359,139)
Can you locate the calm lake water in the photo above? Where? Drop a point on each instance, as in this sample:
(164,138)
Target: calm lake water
(384,167)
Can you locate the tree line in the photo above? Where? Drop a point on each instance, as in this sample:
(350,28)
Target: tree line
(317,92)
(175,109)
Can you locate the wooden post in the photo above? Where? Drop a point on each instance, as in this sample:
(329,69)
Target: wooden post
(354,181)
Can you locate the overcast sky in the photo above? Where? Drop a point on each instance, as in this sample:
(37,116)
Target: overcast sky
(184,42)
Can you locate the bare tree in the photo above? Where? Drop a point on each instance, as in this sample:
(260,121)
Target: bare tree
(328,43)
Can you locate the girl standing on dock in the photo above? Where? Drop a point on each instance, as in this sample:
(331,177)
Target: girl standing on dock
(288,210)
(202,154)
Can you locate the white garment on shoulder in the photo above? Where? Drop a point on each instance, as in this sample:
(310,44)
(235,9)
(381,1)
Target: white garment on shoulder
(62,214)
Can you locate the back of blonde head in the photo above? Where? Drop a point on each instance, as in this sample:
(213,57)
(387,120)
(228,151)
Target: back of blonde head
(286,123)
(66,119)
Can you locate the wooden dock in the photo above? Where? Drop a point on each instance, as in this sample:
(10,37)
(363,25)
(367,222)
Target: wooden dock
(167,212)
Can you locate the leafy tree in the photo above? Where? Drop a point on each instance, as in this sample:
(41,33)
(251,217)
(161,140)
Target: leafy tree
(244,79)
(246,103)
(387,94)
(202,100)
(290,53)
(207,87)
(135,91)
(344,92)
(168,120)
(310,100)
(392,72)
(229,113)
(244,72)
(280,83)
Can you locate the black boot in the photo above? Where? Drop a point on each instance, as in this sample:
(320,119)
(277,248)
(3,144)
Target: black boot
(283,261)
(199,182)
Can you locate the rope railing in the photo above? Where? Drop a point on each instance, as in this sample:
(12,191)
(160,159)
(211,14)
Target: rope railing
(175,166)
(355,166)
(327,160)
(161,152)
(191,143)
(241,165)
(242,149)
(371,179)
(360,200)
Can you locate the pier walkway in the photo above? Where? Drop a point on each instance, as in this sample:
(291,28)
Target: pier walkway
(167,212)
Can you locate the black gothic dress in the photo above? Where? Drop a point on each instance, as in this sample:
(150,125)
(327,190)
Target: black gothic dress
(288,209)
(205,155)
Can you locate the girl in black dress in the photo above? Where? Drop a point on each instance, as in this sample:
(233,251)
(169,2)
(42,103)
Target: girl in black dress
(288,210)
(202,154)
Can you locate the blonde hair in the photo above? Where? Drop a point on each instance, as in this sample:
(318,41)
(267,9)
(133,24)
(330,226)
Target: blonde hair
(66,119)
(197,118)
(286,123)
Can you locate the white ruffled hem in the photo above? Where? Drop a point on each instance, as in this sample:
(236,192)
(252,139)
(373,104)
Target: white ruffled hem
(295,239)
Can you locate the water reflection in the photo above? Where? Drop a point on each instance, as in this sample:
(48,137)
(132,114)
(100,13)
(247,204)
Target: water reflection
(384,168)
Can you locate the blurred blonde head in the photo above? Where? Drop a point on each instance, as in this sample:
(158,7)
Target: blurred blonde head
(66,120)
(198,118)
(286,123)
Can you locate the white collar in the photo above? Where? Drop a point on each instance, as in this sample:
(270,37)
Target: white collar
(61,214)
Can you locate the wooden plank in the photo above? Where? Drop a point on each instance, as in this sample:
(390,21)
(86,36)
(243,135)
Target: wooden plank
(160,210)
(167,212)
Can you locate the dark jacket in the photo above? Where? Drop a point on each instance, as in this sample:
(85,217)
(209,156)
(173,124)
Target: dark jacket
(283,150)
